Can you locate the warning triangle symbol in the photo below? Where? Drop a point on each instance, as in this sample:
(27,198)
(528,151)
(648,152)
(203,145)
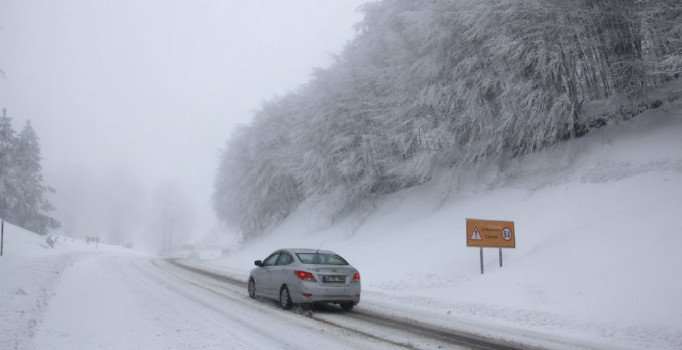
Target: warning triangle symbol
(476,236)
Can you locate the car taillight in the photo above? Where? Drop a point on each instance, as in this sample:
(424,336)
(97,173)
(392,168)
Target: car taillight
(356,277)
(305,276)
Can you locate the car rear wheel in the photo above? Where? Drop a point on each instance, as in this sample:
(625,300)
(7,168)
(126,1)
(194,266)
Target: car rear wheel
(284,298)
(347,306)
(252,289)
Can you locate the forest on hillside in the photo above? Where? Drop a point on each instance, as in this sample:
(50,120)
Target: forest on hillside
(429,84)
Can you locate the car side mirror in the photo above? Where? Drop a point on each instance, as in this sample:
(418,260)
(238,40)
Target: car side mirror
(258,263)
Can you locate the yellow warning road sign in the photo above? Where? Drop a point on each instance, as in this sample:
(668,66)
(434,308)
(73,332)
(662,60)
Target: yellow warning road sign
(490,233)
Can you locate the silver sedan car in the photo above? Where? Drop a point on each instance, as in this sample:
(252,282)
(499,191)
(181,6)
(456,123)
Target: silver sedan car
(306,277)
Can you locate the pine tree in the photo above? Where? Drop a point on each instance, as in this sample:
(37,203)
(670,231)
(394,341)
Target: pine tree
(7,149)
(33,206)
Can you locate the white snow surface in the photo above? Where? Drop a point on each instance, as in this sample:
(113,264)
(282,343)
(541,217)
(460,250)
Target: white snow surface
(30,271)
(598,236)
(596,264)
(73,297)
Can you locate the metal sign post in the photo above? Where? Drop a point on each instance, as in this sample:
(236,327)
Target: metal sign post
(481,253)
(500,256)
(2,237)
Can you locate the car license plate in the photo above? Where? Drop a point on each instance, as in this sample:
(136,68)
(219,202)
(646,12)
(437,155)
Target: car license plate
(335,279)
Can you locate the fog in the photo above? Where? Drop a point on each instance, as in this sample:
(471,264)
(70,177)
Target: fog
(133,99)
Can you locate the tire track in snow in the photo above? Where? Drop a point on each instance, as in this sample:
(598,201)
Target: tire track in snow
(269,323)
(363,320)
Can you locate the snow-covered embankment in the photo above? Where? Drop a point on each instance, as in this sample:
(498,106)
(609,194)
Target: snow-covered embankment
(598,240)
(30,270)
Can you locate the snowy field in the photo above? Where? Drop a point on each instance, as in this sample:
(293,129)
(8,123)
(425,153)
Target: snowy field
(598,240)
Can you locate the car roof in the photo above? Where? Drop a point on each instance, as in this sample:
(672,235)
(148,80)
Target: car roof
(308,250)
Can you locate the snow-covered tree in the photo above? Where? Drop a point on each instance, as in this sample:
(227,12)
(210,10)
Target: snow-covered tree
(8,195)
(33,205)
(431,84)
(122,198)
(172,216)
(23,195)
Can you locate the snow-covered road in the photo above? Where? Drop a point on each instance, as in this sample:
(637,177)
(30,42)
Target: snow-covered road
(371,322)
(128,302)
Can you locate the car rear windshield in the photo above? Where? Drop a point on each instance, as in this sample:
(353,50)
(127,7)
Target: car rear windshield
(321,259)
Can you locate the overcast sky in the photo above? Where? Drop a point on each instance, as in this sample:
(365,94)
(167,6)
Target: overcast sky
(154,87)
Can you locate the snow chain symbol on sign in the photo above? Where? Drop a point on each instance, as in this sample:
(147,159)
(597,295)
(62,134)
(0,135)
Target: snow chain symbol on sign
(476,236)
(506,234)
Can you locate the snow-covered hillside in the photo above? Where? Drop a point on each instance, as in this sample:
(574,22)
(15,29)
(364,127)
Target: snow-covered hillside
(30,270)
(598,239)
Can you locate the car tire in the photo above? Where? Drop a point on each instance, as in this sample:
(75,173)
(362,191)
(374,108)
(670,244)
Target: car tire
(347,306)
(284,298)
(252,289)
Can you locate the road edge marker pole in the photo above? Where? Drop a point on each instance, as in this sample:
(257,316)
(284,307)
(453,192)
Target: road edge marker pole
(2,238)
